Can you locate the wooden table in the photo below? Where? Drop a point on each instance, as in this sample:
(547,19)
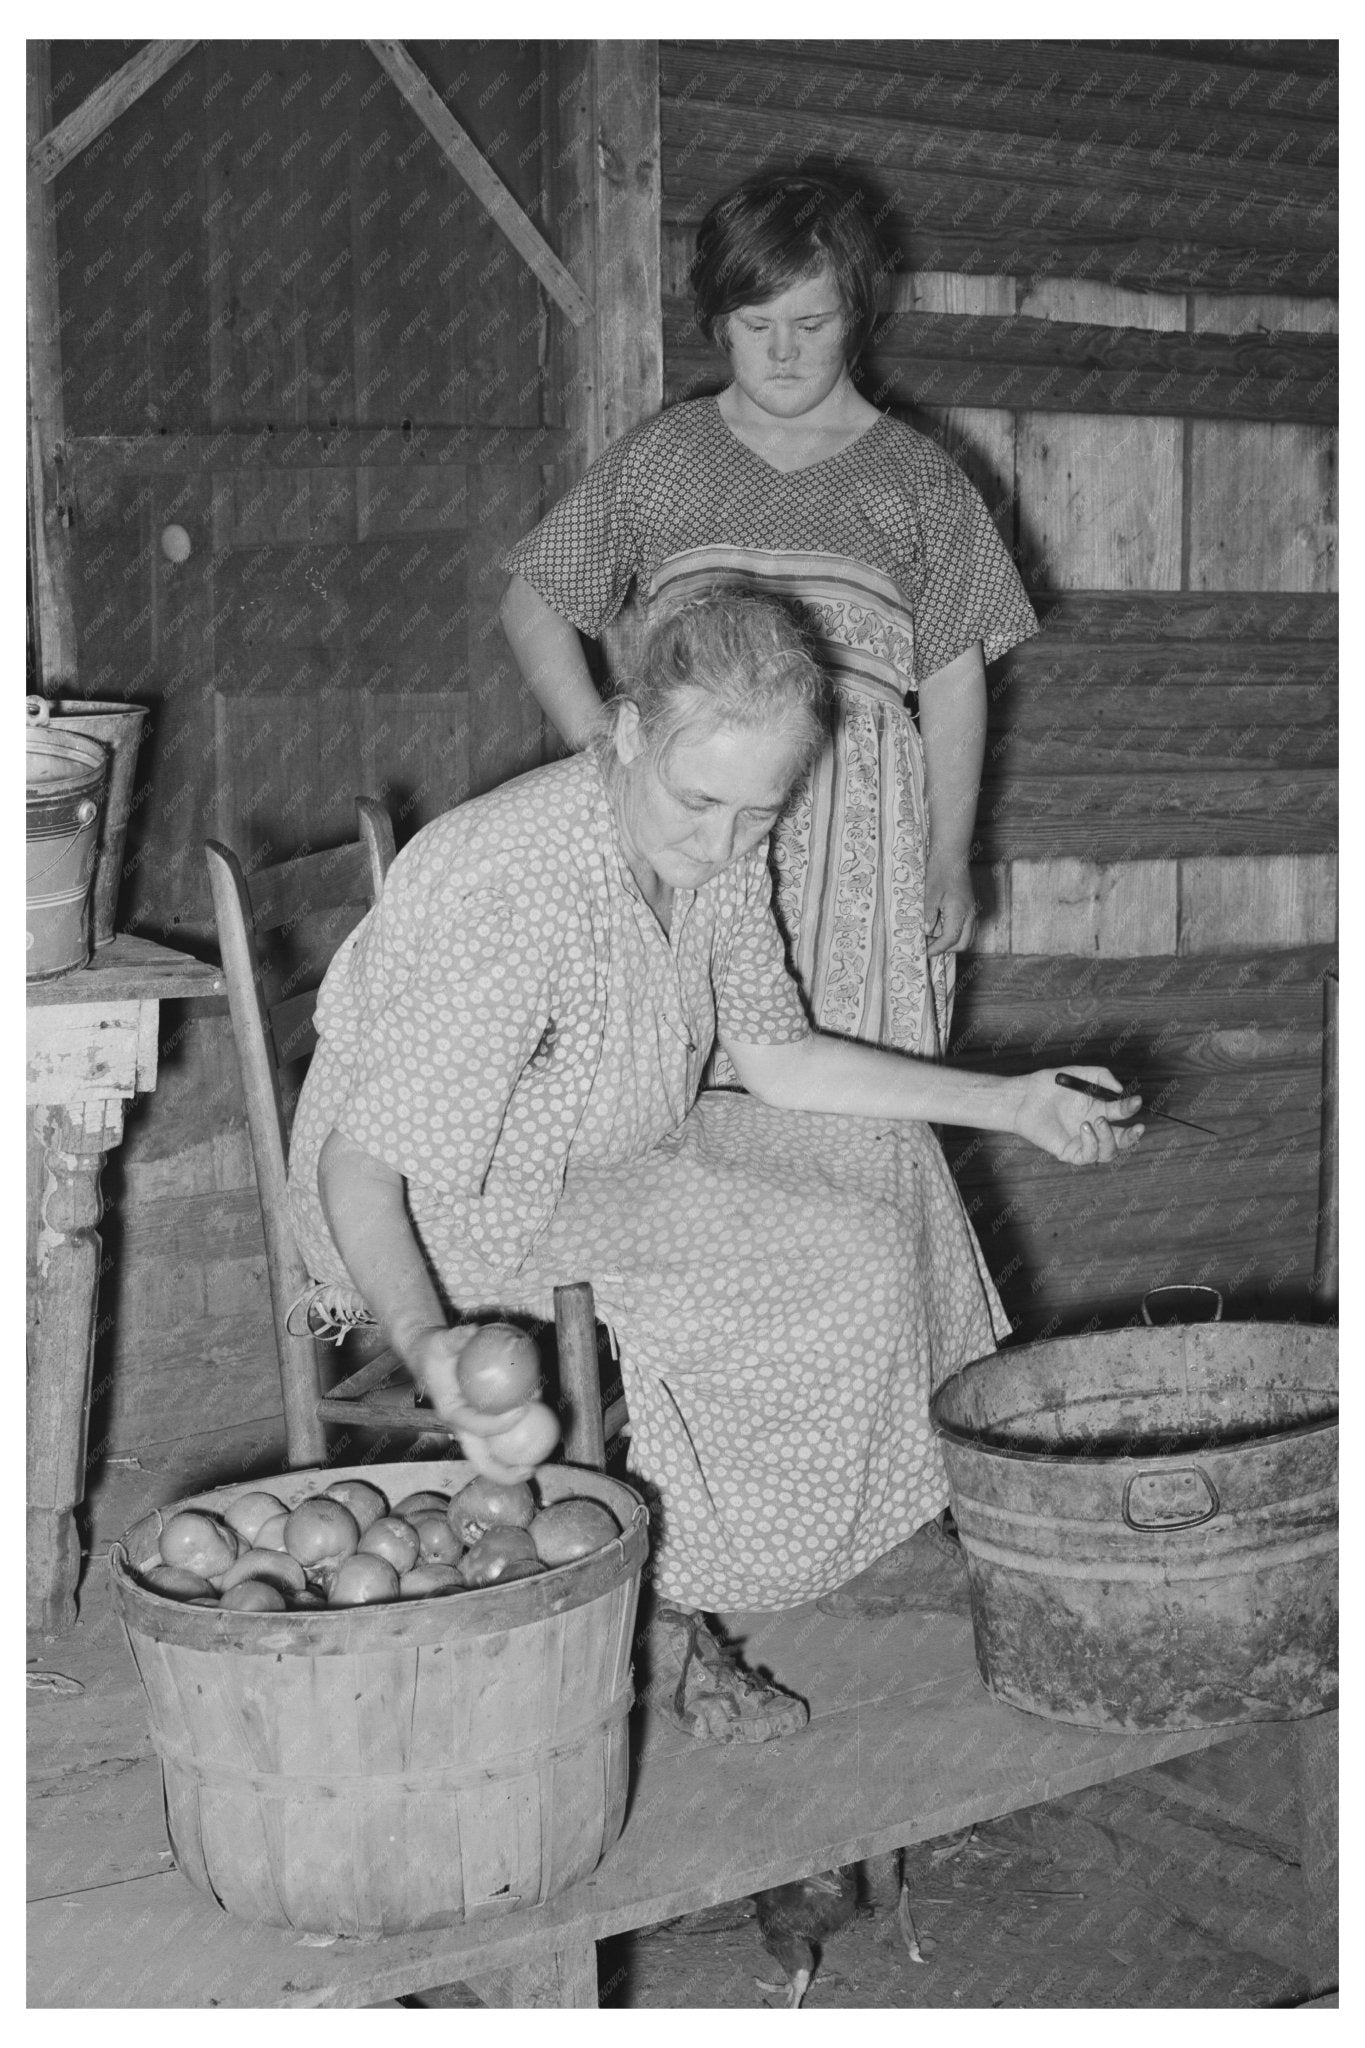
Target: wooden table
(904,1744)
(92,1046)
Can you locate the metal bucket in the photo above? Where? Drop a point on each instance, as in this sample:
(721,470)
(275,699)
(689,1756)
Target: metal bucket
(67,778)
(119,727)
(1149,1520)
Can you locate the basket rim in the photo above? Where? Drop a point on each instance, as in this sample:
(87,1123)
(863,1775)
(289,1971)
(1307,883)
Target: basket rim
(476,1612)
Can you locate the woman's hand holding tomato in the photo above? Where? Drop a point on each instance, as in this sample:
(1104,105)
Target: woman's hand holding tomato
(530,1429)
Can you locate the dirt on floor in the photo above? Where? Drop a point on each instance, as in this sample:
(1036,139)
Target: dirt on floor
(1177,1887)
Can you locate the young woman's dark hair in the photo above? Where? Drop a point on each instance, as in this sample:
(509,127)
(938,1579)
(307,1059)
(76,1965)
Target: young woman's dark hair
(773,231)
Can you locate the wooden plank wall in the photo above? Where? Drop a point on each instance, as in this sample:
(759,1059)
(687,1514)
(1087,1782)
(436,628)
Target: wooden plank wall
(1157,844)
(289,328)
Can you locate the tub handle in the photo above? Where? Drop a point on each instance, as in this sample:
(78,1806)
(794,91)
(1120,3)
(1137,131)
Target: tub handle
(1179,1498)
(37,710)
(1194,1293)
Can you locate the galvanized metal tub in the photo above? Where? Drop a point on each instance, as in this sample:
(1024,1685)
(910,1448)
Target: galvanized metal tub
(1149,1519)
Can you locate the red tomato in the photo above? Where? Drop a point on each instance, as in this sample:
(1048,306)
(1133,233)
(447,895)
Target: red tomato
(418,1503)
(438,1542)
(273,1567)
(529,1440)
(394,1538)
(321,1532)
(253,1596)
(499,1369)
(361,1579)
(572,1528)
(430,1578)
(366,1502)
(491,1504)
(270,1535)
(199,1542)
(250,1511)
(176,1583)
(501,1554)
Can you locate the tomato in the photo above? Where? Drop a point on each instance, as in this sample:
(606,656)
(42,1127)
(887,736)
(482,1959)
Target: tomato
(491,1504)
(361,1579)
(174,1582)
(530,1439)
(394,1538)
(501,1554)
(273,1567)
(438,1542)
(429,1578)
(418,1503)
(253,1596)
(249,1511)
(572,1528)
(199,1542)
(499,1369)
(366,1502)
(270,1535)
(321,1532)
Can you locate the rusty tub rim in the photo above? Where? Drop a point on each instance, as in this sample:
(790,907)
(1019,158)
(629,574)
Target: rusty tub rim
(986,1441)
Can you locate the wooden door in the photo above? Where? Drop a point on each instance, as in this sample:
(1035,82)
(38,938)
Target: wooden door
(304,419)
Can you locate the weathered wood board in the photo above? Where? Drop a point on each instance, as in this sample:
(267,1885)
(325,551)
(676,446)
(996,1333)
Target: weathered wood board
(904,1744)
(1232,1042)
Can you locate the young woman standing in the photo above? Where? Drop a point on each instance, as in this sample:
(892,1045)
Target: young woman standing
(793,481)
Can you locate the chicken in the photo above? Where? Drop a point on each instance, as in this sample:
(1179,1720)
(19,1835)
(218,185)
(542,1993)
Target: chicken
(794,1920)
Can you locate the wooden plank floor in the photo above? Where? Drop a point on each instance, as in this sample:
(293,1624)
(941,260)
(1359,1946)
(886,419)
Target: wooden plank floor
(904,1745)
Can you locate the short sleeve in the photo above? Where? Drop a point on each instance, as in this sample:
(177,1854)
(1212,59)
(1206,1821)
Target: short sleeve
(585,553)
(758,1001)
(443,1005)
(969,588)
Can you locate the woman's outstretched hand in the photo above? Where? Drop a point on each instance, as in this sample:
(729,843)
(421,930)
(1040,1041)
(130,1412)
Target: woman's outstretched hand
(1072,1127)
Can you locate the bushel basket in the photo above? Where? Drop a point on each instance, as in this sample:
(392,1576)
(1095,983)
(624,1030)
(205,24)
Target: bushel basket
(384,1769)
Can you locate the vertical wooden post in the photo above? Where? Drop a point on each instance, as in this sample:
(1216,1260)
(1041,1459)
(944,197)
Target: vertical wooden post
(560,1977)
(50,507)
(605,216)
(1327,1262)
(608,212)
(580,1383)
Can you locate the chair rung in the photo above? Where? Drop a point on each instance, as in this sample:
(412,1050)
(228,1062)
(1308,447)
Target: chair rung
(614,1420)
(390,1408)
(376,1373)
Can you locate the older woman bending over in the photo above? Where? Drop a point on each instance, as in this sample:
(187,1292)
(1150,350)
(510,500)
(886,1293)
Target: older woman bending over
(506,1097)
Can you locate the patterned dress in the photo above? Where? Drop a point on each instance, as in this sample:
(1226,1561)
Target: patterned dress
(512,1030)
(891,556)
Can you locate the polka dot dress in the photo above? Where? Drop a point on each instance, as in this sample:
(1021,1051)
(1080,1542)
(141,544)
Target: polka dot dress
(786,1291)
(513,1031)
(890,556)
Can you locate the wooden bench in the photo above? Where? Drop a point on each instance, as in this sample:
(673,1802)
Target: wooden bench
(904,1745)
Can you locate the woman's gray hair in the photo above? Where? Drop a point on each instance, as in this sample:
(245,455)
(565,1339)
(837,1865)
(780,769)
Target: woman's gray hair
(730,657)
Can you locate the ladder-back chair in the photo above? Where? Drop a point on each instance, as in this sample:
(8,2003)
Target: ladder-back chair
(278,927)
